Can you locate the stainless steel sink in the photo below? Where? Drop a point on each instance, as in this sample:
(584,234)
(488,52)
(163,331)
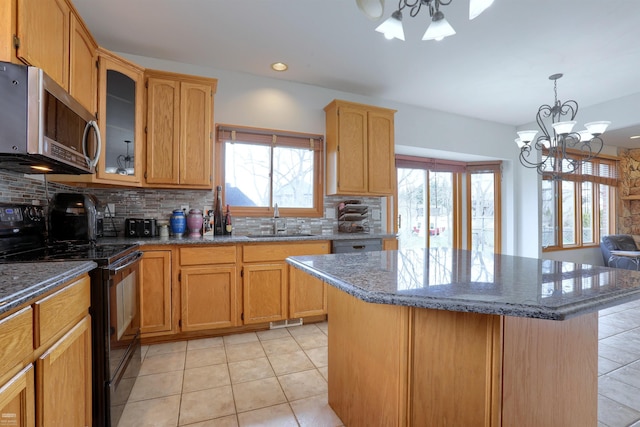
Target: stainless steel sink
(269,236)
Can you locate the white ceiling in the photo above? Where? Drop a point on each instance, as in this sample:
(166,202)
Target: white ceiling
(495,68)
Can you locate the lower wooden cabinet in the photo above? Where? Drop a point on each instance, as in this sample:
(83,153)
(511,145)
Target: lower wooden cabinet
(191,288)
(17,402)
(45,360)
(265,292)
(272,291)
(155,292)
(208,297)
(63,380)
(390,244)
(307,295)
(208,287)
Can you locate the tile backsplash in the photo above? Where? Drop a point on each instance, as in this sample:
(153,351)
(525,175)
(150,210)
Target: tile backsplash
(159,204)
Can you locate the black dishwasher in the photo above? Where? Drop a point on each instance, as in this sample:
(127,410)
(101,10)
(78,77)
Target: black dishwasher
(355,245)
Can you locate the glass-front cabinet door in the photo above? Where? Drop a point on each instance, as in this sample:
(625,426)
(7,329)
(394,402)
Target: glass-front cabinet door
(120,118)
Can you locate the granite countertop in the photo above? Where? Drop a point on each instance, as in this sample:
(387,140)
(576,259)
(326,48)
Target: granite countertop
(241,239)
(22,282)
(469,281)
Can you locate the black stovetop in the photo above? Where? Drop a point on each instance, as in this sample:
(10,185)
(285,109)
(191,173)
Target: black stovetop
(22,239)
(102,254)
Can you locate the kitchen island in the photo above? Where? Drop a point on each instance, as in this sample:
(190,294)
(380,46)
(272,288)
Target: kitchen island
(446,337)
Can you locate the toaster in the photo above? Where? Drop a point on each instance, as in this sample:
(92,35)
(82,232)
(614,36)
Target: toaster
(140,227)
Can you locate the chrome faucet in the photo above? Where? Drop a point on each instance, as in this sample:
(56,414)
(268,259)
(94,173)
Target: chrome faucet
(279,224)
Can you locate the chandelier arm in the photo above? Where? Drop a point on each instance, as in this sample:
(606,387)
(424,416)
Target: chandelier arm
(414,6)
(543,112)
(525,152)
(569,106)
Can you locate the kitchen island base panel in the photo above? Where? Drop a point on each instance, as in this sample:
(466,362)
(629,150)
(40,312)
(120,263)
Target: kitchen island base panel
(368,364)
(550,372)
(396,365)
(455,376)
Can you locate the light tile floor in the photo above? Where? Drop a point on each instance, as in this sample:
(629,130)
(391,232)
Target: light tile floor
(619,366)
(278,378)
(271,378)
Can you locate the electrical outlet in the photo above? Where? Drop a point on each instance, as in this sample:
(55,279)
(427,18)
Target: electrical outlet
(111,210)
(185,208)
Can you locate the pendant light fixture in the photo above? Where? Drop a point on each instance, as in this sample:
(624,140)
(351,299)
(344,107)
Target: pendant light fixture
(561,150)
(438,29)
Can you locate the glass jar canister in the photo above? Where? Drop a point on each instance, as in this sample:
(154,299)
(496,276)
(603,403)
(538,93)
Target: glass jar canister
(178,223)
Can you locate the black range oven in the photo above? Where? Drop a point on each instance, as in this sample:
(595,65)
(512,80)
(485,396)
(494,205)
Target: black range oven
(115,301)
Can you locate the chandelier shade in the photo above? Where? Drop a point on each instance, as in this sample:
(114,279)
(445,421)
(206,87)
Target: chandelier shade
(559,149)
(392,27)
(438,29)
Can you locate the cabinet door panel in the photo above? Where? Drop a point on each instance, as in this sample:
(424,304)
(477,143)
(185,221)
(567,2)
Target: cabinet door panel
(16,339)
(381,153)
(204,255)
(307,294)
(265,292)
(63,380)
(17,399)
(83,73)
(196,102)
(43,29)
(352,150)
(62,309)
(279,251)
(155,292)
(208,297)
(121,93)
(163,130)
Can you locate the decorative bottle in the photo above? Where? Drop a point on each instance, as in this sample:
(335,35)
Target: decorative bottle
(218,218)
(228,227)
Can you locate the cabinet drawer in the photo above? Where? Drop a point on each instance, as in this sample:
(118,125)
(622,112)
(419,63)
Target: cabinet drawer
(280,251)
(208,255)
(16,338)
(59,310)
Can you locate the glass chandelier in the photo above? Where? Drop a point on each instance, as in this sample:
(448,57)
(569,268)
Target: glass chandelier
(562,150)
(439,27)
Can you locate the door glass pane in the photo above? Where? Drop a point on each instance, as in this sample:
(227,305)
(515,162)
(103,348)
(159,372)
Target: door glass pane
(412,208)
(587,212)
(120,126)
(440,209)
(548,214)
(246,174)
(293,177)
(482,211)
(604,196)
(568,213)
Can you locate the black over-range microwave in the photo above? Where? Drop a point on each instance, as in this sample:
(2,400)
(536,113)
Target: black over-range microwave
(43,129)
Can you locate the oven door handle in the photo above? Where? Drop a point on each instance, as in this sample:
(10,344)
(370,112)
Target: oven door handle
(128,262)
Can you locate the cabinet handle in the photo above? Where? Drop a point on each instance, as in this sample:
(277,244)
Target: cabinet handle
(358,246)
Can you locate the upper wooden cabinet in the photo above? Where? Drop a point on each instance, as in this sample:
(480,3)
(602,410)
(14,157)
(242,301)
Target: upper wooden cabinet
(49,34)
(179,130)
(121,103)
(83,74)
(120,117)
(360,149)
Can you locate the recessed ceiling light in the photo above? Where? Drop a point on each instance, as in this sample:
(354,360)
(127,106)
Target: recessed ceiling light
(279,66)
(634,137)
